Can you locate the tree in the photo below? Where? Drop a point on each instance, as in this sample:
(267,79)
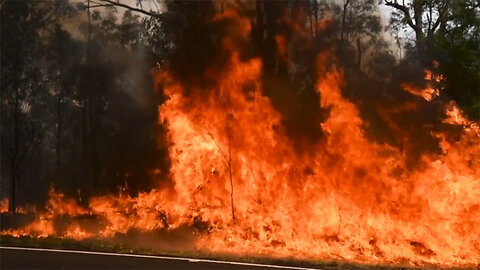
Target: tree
(361,29)
(447,33)
(138,9)
(34,64)
(48,88)
(21,21)
(412,15)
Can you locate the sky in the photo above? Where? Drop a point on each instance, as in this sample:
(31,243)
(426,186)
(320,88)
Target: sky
(150,5)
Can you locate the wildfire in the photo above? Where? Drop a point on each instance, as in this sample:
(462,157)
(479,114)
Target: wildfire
(4,205)
(428,93)
(235,169)
(454,116)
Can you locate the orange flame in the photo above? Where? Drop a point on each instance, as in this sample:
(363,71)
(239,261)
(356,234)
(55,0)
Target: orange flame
(4,205)
(428,93)
(349,199)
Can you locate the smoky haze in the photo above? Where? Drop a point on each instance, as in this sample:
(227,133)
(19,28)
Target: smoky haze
(213,123)
(100,113)
(89,126)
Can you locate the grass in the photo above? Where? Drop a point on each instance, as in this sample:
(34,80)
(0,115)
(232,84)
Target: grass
(105,246)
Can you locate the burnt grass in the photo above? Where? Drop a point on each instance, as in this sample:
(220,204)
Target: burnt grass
(115,247)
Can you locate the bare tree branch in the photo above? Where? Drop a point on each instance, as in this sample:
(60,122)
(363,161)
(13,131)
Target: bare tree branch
(405,11)
(441,17)
(218,146)
(228,162)
(101,5)
(139,10)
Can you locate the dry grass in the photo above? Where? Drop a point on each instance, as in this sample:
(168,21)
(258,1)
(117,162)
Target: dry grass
(109,246)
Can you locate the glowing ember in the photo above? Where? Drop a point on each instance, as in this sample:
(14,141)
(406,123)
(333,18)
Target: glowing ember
(454,116)
(428,93)
(4,205)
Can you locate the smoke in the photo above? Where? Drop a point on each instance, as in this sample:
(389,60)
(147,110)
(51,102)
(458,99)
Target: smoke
(284,43)
(396,117)
(205,41)
(265,115)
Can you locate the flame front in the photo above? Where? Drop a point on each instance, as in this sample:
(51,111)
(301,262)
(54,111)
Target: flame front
(235,169)
(352,199)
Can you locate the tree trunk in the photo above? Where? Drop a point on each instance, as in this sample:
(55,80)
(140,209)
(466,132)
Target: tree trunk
(359,54)
(342,29)
(259,27)
(12,203)
(85,95)
(419,36)
(14,158)
(59,130)
(315,16)
(230,173)
(420,42)
(312,25)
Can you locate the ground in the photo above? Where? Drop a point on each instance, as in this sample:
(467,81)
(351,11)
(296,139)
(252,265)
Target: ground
(101,246)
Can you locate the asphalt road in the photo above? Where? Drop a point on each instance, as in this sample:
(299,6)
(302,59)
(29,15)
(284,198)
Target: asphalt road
(31,258)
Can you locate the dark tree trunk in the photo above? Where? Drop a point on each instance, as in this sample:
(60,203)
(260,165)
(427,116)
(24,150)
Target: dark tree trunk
(315,16)
(312,25)
(419,36)
(416,23)
(59,130)
(12,203)
(359,54)
(229,163)
(85,95)
(259,26)
(342,30)
(14,158)
(92,136)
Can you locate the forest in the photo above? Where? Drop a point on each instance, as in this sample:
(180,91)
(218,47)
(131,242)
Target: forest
(88,92)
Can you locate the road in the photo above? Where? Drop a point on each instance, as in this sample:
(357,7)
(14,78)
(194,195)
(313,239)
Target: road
(33,258)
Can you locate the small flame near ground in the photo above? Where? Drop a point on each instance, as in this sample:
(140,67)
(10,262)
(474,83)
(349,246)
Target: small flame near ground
(238,179)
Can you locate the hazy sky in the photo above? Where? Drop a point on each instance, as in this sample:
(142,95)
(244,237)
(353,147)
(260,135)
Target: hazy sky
(150,5)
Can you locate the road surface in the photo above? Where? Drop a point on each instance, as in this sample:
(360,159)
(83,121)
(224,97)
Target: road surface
(33,258)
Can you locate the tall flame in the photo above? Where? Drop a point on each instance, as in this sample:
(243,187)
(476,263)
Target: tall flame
(235,169)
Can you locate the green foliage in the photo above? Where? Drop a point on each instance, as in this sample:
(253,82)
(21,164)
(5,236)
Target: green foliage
(457,49)
(448,33)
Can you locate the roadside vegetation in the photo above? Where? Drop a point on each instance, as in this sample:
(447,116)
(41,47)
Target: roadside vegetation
(106,246)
